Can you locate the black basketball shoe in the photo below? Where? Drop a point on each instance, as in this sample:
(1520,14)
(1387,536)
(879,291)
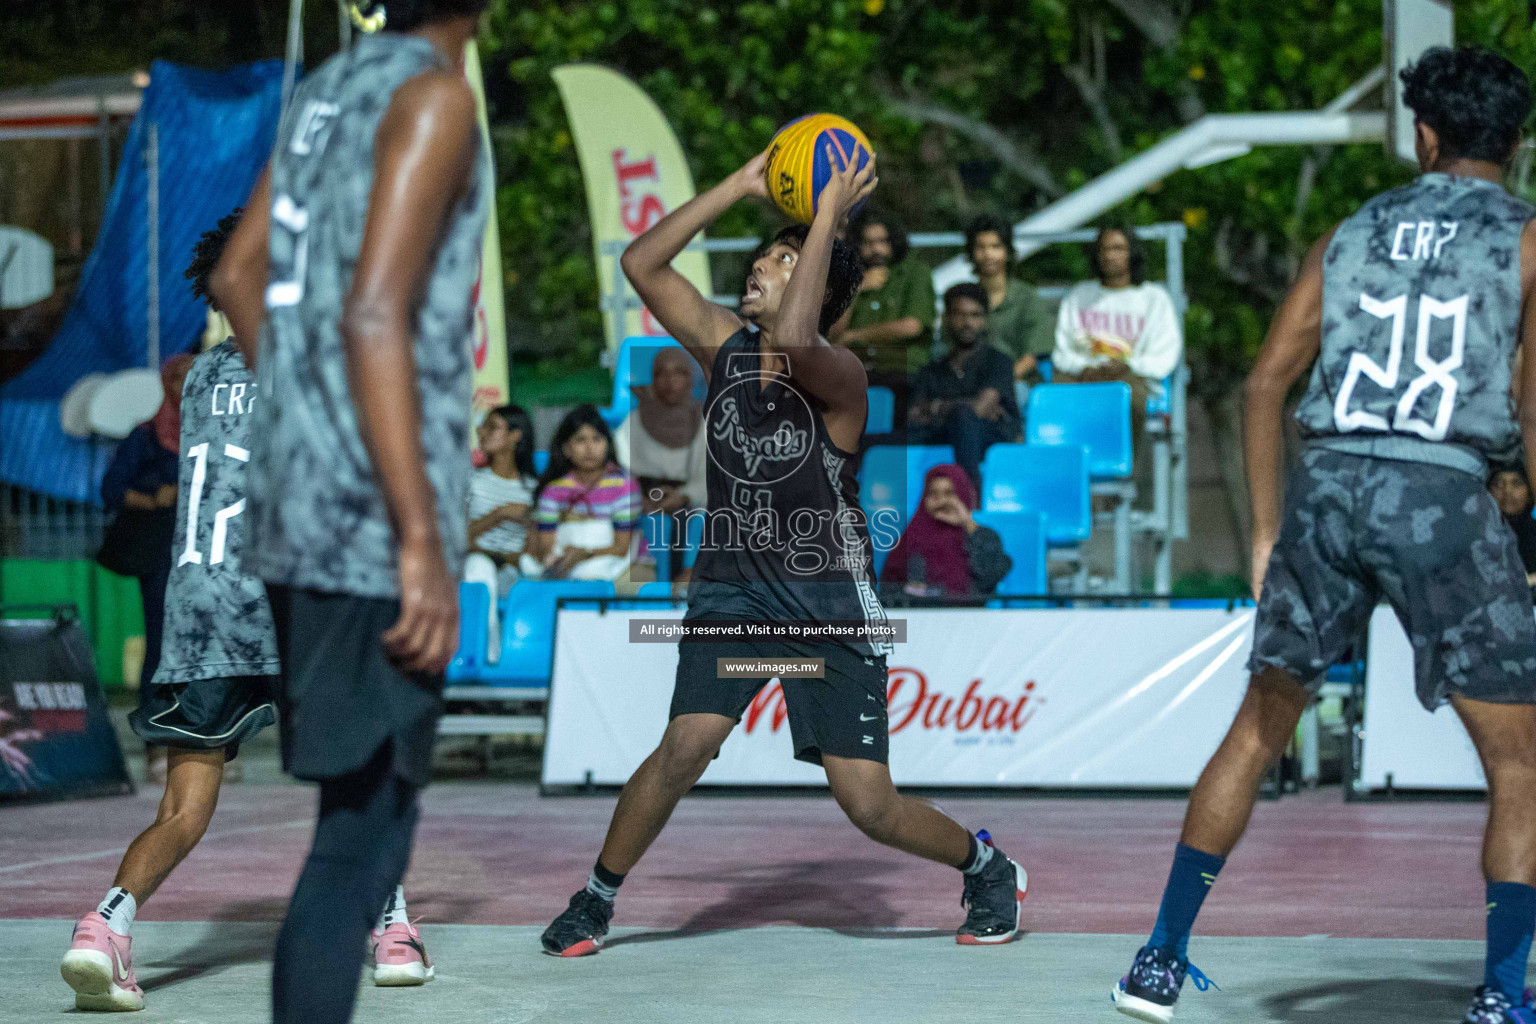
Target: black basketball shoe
(579,930)
(994,900)
(1150,990)
(1490,1006)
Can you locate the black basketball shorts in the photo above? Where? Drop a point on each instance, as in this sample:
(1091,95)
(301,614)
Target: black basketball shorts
(342,700)
(843,715)
(205,714)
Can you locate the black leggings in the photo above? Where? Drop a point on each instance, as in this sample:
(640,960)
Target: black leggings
(361,849)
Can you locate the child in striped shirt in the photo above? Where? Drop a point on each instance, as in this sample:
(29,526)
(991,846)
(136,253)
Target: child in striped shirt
(586,507)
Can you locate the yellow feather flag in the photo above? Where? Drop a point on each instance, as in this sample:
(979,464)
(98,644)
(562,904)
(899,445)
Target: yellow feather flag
(492,381)
(634,172)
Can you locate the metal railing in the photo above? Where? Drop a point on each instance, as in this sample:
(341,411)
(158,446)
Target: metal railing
(35,525)
(1168,518)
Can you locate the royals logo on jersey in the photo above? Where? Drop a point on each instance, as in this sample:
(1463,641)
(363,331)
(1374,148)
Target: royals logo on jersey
(217,621)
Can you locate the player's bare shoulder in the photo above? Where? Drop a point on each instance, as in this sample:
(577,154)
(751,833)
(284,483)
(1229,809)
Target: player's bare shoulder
(436,93)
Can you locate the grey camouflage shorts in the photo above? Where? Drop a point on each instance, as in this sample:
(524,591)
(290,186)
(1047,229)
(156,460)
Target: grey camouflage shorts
(1426,539)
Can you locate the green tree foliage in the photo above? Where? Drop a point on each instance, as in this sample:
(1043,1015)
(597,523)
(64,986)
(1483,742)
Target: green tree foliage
(44,40)
(977,105)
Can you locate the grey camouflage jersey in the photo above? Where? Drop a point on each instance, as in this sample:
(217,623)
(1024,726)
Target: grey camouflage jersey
(318,518)
(217,622)
(1421,308)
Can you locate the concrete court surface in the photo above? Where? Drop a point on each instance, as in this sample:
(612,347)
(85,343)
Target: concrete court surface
(196,972)
(758,908)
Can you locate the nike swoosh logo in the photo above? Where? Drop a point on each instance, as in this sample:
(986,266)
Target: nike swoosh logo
(868,718)
(122,975)
(417,946)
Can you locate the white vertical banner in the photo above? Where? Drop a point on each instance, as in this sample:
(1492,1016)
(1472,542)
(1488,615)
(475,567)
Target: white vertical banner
(1124,698)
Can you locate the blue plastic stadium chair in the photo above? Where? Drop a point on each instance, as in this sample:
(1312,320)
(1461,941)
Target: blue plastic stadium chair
(540,460)
(528,632)
(1096,416)
(1044,368)
(657,589)
(882,411)
(1050,478)
(474,606)
(1023,535)
(891,483)
(657,529)
(1348,672)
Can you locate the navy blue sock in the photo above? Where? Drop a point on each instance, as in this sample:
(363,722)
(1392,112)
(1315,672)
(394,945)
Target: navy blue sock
(1192,876)
(1511,915)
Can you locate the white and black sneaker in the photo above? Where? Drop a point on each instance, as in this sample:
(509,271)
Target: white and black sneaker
(994,901)
(1150,990)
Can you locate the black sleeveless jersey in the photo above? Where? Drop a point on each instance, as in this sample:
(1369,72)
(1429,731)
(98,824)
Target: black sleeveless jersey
(785,538)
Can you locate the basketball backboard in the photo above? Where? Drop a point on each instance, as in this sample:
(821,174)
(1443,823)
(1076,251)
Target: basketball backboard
(1410,28)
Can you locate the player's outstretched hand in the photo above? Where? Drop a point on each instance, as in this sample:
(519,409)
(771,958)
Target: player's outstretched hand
(427,633)
(848,187)
(752,178)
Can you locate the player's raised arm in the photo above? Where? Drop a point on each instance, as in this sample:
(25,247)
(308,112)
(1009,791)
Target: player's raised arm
(423,154)
(239,282)
(1294,338)
(831,373)
(698,324)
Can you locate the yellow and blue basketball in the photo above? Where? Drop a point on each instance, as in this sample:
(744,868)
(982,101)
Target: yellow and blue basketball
(798,164)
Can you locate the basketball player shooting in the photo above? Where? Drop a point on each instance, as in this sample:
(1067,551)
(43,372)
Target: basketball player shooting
(1388,503)
(785,415)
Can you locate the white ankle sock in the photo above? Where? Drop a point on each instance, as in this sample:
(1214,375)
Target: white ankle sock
(984,853)
(118,908)
(394,910)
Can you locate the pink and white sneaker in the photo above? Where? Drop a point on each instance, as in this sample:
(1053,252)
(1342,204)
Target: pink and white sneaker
(99,967)
(399,958)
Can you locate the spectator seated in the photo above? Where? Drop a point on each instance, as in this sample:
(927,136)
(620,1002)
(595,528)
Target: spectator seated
(891,477)
(632,369)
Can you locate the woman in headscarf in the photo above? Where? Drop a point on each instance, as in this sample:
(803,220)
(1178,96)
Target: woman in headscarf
(139,488)
(662,442)
(1512,492)
(944,551)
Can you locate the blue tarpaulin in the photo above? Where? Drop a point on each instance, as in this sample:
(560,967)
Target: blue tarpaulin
(215,133)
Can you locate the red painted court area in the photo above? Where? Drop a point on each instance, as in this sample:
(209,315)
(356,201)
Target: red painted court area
(501,854)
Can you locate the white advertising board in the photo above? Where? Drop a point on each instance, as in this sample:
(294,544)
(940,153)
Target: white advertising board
(1135,698)
(1404,743)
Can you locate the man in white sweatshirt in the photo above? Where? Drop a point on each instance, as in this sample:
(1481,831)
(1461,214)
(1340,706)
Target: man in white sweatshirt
(1117,327)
